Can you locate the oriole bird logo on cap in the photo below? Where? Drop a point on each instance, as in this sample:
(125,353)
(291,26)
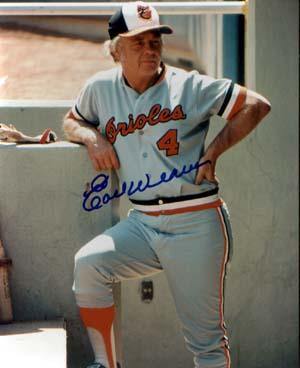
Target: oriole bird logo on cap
(144,12)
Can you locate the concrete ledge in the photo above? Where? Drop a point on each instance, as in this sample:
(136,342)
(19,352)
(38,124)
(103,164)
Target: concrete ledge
(42,225)
(33,344)
(36,146)
(38,104)
(32,117)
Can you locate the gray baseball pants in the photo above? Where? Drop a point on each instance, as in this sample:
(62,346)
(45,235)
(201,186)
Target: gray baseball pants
(192,248)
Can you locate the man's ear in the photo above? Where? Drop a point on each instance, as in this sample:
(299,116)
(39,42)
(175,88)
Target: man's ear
(115,55)
(117,52)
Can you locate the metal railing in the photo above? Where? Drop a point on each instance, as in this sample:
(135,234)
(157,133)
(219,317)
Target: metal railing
(104,8)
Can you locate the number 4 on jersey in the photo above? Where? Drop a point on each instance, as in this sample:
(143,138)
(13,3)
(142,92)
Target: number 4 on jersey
(168,142)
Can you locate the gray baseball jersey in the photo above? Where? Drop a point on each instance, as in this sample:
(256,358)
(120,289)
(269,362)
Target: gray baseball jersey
(161,129)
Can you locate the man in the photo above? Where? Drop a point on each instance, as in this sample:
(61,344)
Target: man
(148,122)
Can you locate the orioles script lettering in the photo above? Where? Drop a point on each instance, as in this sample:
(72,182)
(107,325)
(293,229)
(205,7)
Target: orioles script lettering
(155,116)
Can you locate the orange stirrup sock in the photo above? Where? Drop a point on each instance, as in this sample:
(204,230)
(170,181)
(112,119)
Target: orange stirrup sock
(101,320)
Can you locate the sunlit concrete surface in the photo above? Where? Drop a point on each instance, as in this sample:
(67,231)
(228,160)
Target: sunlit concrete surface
(33,344)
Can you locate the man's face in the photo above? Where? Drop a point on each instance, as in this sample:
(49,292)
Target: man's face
(140,55)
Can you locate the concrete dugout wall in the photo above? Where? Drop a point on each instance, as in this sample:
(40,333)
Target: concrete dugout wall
(42,225)
(260,186)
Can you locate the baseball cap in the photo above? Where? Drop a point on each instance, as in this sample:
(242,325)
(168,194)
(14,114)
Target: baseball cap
(134,18)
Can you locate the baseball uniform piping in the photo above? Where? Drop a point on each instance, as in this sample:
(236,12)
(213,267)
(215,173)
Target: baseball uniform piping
(238,102)
(79,116)
(235,103)
(222,277)
(227,99)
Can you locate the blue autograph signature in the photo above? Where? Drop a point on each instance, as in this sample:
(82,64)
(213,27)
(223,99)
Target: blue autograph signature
(92,202)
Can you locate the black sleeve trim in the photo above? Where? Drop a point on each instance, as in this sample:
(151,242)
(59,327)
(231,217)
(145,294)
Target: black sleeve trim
(227,99)
(95,123)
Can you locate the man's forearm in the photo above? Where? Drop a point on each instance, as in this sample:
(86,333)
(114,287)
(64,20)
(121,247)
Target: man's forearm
(79,132)
(100,151)
(236,129)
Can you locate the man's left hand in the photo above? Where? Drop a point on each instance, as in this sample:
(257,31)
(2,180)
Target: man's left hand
(206,171)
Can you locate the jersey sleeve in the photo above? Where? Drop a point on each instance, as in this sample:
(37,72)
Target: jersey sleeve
(220,97)
(85,107)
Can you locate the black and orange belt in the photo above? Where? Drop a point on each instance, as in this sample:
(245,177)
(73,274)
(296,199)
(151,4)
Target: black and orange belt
(176,205)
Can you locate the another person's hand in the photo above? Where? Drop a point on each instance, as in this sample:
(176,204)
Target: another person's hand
(102,154)
(206,171)
(10,134)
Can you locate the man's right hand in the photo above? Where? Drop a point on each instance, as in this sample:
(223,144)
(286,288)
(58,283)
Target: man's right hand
(102,154)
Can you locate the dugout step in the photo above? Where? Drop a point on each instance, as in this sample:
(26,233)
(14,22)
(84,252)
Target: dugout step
(33,344)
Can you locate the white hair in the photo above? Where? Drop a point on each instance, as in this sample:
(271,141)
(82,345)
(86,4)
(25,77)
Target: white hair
(110,47)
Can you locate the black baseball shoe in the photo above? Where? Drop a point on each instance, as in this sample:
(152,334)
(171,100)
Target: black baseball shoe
(99,365)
